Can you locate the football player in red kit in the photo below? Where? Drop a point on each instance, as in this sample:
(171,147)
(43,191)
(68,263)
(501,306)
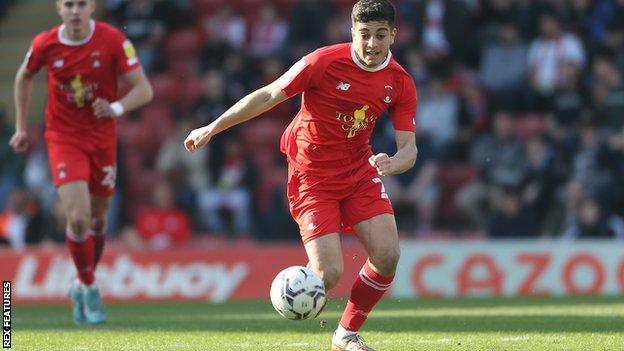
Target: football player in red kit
(82,58)
(334,178)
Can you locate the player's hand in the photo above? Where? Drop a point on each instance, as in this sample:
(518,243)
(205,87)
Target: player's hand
(197,139)
(101,108)
(382,163)
(19,141)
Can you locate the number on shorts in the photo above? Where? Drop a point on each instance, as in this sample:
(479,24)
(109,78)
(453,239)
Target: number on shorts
(109,176)
(383,188)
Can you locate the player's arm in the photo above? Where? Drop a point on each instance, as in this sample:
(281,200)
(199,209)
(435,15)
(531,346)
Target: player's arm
(22,91)
(404,158)
(245,109)
(140,94)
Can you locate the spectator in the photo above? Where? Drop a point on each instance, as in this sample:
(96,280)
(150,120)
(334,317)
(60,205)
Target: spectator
(548,56)
(171,156)
(15,219)
(269,33)
(11,164)
(590,165)
(542,178)
(225,32)
(570,99)
(437,116)
(442,30)
(163,225)
(144,23)
(594,222)
(235,180)
(420,189)
(501,164)
(511,219)
(306,14)
(608,93)
(504,68)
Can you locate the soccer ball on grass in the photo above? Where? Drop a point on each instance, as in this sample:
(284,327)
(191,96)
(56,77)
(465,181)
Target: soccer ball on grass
(298,293)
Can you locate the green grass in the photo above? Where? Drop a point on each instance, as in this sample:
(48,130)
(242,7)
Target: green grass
(478,324)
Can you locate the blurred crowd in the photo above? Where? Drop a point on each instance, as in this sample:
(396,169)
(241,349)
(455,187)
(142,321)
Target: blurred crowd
(520,122)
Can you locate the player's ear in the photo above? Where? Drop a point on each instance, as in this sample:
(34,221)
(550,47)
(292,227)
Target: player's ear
(352,32)
(393,34)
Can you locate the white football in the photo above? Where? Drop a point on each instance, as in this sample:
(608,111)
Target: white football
(298,293)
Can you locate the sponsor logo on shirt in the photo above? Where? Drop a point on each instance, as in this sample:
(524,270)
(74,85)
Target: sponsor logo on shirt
(79,92)
(343,86)
(354,123)
(78,89)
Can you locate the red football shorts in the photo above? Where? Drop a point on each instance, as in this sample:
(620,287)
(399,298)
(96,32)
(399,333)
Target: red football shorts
(324,205)
(70,162)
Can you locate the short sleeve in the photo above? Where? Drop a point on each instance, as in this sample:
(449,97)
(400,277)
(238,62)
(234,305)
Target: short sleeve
(304,74)
(35,57)
(403,111)
(124,53)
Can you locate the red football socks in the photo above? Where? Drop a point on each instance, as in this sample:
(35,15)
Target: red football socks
(367,290)
(98,241)
(82,252)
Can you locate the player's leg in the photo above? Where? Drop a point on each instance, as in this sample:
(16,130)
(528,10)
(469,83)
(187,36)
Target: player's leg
(74,198)
(102,171)
(99,213)
(316,209)
(370,212)
(379,236)
(94,308)
(325,258)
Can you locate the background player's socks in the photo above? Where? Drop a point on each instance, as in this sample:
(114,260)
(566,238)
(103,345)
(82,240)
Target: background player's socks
(367,290)
(82,252)
(98,242)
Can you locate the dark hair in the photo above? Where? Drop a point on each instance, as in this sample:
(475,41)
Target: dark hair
(373,10)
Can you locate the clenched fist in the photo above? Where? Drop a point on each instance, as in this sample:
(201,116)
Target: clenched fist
(197,139)
(382,163)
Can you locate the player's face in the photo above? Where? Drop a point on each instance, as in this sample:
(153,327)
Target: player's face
(372,41)
(75,13)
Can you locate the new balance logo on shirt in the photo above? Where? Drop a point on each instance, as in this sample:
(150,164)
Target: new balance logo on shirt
(343,86)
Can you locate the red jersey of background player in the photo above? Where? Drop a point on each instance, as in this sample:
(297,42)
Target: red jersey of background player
(78,73)
(341,102)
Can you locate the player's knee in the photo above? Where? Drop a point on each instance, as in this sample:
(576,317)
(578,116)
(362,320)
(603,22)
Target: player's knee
(78,223)
(330,275)
(386,261)
(98,225)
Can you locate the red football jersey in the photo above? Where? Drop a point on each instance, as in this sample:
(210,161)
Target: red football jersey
(78,73)
(341,102)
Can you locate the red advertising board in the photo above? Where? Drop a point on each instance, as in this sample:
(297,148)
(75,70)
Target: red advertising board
(213,274)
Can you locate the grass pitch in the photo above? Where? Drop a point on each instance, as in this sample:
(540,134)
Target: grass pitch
(398,325)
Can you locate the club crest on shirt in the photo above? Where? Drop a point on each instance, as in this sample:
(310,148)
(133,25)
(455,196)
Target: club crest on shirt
(388,91)
(58,63)
(61,168)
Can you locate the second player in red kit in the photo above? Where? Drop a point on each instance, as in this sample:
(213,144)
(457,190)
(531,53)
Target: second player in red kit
(80,72)
(334,177)
(83,58)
